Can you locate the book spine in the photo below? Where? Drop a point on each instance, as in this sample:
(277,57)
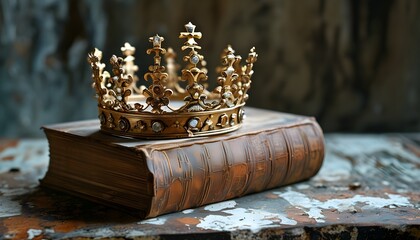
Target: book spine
(199,174)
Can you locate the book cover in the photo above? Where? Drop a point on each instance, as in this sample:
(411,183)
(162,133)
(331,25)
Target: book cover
(153,177)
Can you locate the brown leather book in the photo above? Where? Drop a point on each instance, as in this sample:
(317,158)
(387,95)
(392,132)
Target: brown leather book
(153,177)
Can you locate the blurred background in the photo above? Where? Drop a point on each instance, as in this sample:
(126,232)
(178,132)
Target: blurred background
(353,64)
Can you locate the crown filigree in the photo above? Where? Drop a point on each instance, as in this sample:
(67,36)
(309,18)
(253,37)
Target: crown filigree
(165,109)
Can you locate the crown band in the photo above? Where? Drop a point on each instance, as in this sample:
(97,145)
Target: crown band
(171,125)
(126,109)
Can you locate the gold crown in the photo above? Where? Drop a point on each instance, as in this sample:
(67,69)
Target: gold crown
(164,109)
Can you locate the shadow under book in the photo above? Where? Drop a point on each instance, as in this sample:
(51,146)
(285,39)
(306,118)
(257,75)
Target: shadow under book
(154,177)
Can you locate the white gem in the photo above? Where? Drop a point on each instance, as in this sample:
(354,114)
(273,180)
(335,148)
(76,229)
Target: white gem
(115,78)
(156,40)
(157,127)
(241,115)
(119,98)
(118,90)
(108,85)
(190,27)
(193,123)
(194,59)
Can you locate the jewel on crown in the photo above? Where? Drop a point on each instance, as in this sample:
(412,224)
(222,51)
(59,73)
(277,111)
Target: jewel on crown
(165,109)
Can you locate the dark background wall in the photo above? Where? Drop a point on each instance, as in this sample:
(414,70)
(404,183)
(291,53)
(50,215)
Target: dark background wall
(355,65)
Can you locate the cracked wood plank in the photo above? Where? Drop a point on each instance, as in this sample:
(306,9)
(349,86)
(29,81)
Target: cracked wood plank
(367,187)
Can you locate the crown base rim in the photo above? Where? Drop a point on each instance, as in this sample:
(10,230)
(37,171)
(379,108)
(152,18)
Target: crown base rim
(171,125)
(117,133)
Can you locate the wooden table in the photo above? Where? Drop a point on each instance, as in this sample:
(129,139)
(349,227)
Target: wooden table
(368,187)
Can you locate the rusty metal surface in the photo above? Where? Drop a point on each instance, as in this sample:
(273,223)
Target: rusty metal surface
(368,187)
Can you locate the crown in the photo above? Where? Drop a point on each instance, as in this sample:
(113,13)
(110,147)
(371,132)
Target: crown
(166,109)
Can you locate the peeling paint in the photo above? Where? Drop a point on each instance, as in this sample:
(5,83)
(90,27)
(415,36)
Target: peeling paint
(96,233)
(188,211)
(314,207)
(49,230)
(367,153)
(241,218)
(15,191)
(103,232)
(334,169)
(154,221)
(33,233)
(350,154)
(408,176)
(302,186)
(220,206)
(386,183)
(9,208)
(26,155)
(349,145)
(134,233)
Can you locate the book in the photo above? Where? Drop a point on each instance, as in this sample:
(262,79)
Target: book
(154,177)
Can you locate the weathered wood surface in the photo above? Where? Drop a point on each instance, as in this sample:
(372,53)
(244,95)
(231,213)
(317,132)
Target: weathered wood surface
(353,64)
(368,188)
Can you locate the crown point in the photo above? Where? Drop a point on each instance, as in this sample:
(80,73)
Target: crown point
(127,49)
(156,40)
(98,52)
(190,27)
(230,49)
